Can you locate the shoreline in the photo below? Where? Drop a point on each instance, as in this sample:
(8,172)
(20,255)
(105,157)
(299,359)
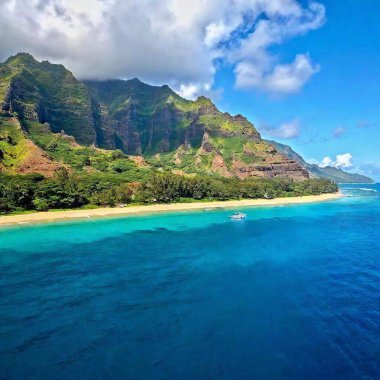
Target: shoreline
(52,216)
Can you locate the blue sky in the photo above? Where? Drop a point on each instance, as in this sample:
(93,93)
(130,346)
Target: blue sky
(306,73)
(337,111)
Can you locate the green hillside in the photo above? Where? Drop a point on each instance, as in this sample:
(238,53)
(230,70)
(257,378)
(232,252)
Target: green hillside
(13,144)
(191,136)
(66,143)
(155,123)
(43,92)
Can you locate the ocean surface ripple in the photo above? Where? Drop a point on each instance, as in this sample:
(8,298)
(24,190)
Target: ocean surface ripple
(290,293)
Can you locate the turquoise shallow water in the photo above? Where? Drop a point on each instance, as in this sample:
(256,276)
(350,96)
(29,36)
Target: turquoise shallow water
(290,293)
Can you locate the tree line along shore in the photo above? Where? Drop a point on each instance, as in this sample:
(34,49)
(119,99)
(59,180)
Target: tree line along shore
(69,190)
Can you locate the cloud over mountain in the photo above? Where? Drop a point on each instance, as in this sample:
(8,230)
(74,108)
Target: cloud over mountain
(286,130)
(341,161)
(168,41)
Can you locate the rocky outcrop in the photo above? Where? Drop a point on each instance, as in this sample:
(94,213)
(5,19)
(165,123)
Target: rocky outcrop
(37,161)
(219,166)
(206,146)
(19,154)
(139,161)
(285,168)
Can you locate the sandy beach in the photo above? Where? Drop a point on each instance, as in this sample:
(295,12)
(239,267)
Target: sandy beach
(51,216)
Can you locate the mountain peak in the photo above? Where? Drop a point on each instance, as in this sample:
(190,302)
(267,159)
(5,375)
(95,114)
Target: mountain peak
(46,92)
(23,60)
(21,57)
(203,99)
(135,80)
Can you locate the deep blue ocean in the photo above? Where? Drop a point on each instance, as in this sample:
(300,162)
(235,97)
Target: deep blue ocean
(292,292)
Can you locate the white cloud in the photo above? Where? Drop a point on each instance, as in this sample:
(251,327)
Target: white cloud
(165,41)
(216,32)
(326,161)
(286,130)
(342,161)
(193,90)
(188,91)
(282,79)
(257,68)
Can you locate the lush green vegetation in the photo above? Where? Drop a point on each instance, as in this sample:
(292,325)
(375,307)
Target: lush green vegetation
(73,190)
(49,120)
(13,147)
(163,120)
(64,149)
(131,116)
(65,190)
(48,93)
(167,187)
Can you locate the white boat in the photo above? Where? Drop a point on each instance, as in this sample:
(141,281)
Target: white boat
(238,216)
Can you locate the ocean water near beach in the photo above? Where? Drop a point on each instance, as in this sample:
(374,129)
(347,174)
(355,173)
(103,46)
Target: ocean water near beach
(292,292)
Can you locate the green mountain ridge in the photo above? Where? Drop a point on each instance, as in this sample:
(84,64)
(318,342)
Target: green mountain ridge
(153,123)
(334,174)
(43,92)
